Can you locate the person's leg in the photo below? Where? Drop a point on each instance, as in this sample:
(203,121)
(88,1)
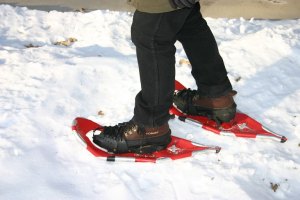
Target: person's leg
(154,36)
(214,97)
(201,48)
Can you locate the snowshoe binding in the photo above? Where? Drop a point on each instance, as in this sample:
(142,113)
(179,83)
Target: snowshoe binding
(220,109)
(128,137)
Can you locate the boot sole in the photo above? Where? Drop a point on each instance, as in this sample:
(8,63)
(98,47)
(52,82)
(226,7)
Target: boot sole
(148,149)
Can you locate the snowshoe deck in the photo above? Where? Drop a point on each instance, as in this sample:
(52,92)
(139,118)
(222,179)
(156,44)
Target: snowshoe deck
(241,126)
(178,148)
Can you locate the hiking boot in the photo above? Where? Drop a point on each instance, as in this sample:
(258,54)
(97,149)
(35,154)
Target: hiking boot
(129,137)
(220,109)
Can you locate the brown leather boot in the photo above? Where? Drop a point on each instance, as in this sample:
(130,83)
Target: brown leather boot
(220,109)
(129,137)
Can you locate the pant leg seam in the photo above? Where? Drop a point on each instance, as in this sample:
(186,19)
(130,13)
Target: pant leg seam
(155,68)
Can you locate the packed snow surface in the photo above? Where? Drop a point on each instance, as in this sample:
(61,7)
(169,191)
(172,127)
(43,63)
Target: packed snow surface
(44,86)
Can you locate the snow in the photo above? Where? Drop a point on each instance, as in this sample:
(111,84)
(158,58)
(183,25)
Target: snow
(43,89)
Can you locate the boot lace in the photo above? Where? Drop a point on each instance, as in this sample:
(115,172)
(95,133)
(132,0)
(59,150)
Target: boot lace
(118,131)
(187,96)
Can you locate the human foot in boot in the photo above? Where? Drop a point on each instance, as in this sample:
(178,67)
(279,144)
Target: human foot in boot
(129,137)
(220,109)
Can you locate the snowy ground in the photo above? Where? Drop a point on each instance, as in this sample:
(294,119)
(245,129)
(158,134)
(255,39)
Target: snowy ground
(43,88)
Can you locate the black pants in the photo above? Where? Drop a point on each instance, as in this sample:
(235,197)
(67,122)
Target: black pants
(154,36)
